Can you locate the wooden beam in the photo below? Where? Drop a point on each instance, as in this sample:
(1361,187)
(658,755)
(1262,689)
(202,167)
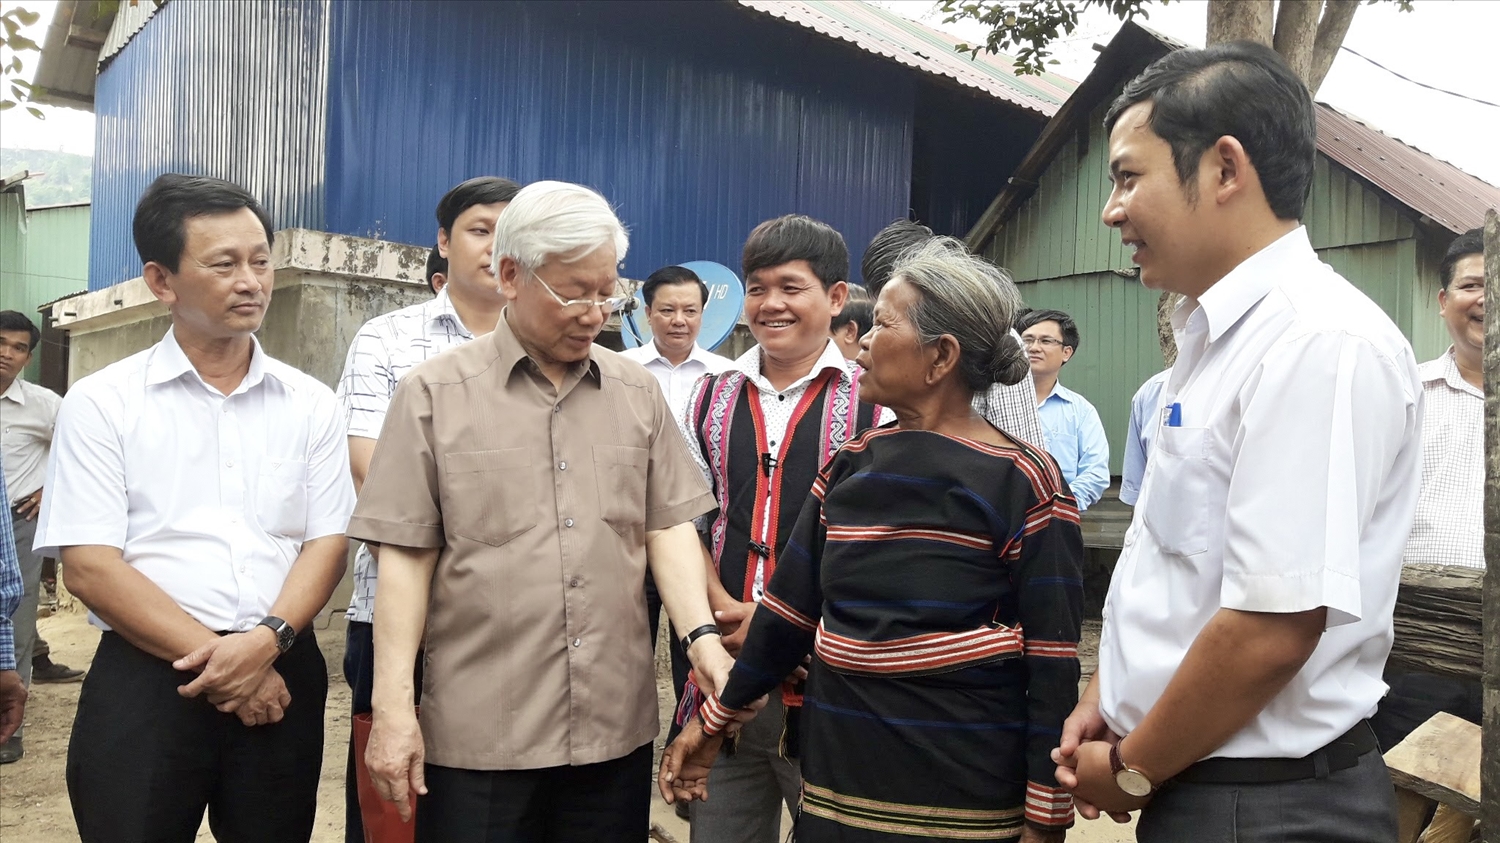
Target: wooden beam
(1440,760)
(1438,621)
(1490,819)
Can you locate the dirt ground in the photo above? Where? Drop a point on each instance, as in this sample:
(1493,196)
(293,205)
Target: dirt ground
(34,798)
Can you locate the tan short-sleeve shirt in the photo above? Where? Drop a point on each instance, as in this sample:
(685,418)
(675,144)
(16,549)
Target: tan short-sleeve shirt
(537,651)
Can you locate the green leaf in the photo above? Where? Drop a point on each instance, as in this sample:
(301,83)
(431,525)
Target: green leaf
(21,42)
(36,112)
(28,18)
(6,105)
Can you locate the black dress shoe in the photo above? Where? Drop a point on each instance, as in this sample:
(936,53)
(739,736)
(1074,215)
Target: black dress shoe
(11,751)
(45,671)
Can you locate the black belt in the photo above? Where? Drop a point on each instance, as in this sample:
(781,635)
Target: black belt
(1344,752)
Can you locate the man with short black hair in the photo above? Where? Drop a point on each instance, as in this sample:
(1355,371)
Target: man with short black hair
(1012,408)
(854,321)
(465,305)
(1075,435)
(1249,616)
(199,492)
(675,298)
(29,412)
(760,431)
(1449,524)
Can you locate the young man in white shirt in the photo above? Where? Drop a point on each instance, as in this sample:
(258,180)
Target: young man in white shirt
(1449,525)
(675,297)
(27,415)
(466,304)
(199,492)
(1249,617)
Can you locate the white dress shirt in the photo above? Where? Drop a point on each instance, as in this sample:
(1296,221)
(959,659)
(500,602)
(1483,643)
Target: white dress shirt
(1288,485)
(384,350)
(210,496)
(1449,527)
(677,381)
(27,414)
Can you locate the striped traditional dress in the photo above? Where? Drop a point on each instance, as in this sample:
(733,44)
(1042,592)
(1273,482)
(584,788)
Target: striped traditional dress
(938,582)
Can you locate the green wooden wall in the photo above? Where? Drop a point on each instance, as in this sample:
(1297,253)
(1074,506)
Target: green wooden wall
(44,255)
(1064,257)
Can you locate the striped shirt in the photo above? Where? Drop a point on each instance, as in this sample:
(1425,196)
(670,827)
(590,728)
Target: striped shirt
(1449,525)
(1012,409)
(384,350)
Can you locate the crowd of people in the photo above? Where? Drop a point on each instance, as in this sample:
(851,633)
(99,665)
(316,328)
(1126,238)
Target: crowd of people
(865,530)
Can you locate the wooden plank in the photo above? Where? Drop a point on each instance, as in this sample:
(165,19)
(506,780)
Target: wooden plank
(1440,760)
(1411,815)
(1449,825)
(1438,621)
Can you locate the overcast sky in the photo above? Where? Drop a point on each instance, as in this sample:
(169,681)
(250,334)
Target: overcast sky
(1442,43)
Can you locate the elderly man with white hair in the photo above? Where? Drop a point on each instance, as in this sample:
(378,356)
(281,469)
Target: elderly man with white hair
(520,487)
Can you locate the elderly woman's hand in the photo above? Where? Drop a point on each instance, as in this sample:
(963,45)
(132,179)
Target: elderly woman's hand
(685,764)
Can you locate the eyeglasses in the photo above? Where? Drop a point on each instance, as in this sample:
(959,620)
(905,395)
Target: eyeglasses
(577,308)
(1045,342)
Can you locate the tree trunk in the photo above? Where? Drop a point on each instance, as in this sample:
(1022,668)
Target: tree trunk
(1490,766)
(1164,307)
(1337,15)
(1240,20)
(1296,31)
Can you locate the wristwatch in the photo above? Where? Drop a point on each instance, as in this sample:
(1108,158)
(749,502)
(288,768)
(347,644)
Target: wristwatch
(285,635)
(706,629)
(1132,781)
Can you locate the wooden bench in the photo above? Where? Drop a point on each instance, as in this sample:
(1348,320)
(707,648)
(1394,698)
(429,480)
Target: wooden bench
(1437,765)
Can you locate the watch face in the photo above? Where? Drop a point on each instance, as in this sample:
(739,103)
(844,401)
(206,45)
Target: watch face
(286,637)
(1133,783)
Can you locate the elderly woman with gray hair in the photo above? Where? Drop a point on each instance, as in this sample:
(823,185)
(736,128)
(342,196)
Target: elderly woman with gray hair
(935,574)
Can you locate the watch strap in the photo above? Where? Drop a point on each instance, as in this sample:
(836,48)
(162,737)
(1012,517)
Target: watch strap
(706,629)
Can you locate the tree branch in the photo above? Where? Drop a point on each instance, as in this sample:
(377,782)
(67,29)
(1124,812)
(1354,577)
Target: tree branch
(1240,20)
(1296,29)
(1337,15)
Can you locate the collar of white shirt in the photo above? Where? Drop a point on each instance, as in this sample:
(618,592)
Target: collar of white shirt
(1228,300)
(1445,369)
(831,358)
(169,362)
(16,392)
(649,353)
(440,309)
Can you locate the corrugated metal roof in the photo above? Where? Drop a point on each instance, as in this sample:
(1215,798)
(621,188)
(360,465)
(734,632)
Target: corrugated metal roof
(129,20)
(886,34)
(1433,188)
(70,53)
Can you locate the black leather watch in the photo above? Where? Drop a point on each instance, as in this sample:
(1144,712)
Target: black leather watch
(706,629)
(285,635)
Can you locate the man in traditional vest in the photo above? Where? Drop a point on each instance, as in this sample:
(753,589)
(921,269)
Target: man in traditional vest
(760,431)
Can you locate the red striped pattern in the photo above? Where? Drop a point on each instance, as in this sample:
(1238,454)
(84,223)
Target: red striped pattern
(715,716)
(931,653)
(1048,805)
(882,533)
(787,613)
(1052,649)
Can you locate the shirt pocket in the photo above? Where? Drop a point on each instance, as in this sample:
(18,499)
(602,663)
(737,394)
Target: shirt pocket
(281,497)
(489,496)
(1177,515)
(1063,446)
(622,488)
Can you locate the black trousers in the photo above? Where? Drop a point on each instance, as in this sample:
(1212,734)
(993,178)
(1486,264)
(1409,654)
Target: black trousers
(594,803)
(1415,697)
(359,672)
(144,762)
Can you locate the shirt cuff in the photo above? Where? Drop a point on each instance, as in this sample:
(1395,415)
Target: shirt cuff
(1290,593)
(716,718)
(380,531)
(1048,806)
(682,513)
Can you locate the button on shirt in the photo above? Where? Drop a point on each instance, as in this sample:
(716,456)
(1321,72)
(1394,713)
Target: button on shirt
(384,350)
(677,381)
(210,496)
(1449,526)
(27,413)
(776,409)
(1076,439)
(1288,486)
(537,650)
(1145,418)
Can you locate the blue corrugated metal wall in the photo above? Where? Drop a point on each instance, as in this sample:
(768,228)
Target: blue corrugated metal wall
(697,120)
(234,90)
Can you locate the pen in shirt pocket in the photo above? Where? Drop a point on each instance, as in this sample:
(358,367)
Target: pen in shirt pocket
(1173,414)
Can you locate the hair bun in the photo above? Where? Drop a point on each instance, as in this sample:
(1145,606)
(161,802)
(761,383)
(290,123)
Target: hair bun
(1009,364)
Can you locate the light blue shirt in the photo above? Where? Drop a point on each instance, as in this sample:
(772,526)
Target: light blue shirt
(1145,418)
(1075,438)
(10,582)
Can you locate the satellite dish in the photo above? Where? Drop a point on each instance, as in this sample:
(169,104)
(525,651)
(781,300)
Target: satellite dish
(726,300)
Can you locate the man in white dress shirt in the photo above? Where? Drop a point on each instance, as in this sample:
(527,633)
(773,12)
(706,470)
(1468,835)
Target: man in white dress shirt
(675,297)
(1249,617)
(199,492)
(1449,526)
